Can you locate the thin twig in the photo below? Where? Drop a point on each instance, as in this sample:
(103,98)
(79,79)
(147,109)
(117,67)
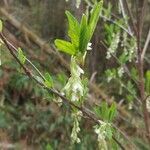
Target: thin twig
(124,15)
(145,45)
(36,69)
(119,25)
(131,17)
(142,16)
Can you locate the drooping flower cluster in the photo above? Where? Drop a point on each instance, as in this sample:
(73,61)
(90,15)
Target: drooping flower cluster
(129,47)
(74,91)
(120,71)
(132,49)
(76,116)
(103,131)
(124,42)
(114,44)
(74,88)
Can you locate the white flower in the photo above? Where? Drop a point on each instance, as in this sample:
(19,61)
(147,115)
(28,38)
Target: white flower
(89,46)
(76,70)
(130,106)
(108,56)
(76,129)
(78,3)
(80,70)
(77,87)
(97,131)
(74,97)
(120,71)
(78,140)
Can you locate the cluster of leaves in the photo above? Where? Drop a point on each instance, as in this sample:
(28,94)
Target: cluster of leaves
(105,112)
(104,130)
(80,33)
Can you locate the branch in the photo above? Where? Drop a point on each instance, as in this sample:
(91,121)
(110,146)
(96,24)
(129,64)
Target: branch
(85,111)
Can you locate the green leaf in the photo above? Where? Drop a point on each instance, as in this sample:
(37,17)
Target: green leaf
(123,58)
(84,34)
(130,98)
(1,25)
(65,46)
(134,73)
(104,111)
(97,111)
(74,29)
(21,56)
(107,11)
(112,112)
(49,147)
(95,13)
(48,80)
(147,82)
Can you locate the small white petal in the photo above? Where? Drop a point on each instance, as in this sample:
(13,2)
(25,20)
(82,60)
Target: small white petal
(89,46)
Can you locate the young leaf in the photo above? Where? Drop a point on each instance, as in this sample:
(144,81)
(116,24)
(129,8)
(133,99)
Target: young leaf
(87,28)
(112,112)
(105,111)
(65,46)
(48,80)
(84,36)
(95,13)
(21,56)
(102,111)
(97,111)
(1,25)
(74,29)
